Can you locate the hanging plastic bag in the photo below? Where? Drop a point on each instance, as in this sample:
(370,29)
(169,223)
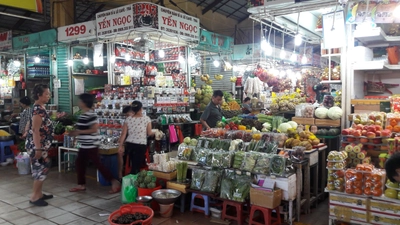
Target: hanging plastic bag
(172,134)
(128,189)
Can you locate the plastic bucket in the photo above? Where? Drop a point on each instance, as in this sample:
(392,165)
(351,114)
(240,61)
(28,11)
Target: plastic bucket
(24,166)
(148,192)
(166,210)
(132,209)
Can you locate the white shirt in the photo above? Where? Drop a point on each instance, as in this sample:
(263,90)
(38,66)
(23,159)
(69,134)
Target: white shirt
(137,129)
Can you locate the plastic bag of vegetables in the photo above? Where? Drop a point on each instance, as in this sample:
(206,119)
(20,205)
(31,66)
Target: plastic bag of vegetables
(195,152)
(202,155)
(262,164)
(242,188)
(184,152)
(211,181)
(235,145)
(238,159)
(198,176)
(277,165)
(249,161)
(227,185)
(222,159)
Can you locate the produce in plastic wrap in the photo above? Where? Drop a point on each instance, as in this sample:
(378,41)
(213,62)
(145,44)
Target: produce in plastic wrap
(262,164)
(270,147)
(298,153)
(195,152)
(184,152)
(242,188)
(202,156)
(198,176)
(308,111)
(235,145)
(181,171)
(247,137)
(329,101)
(250,159)
(227,184)
(238,159)
(222,159)
(277,166)
(211,181)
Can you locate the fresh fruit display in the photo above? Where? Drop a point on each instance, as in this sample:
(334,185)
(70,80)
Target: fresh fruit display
(203,96)
(373,118)
(321,112)
(205,77)
(335,113)
(233,105)
(336,180)
(365,180)
(337,156)
(145,179)
(218,76)
(233,79)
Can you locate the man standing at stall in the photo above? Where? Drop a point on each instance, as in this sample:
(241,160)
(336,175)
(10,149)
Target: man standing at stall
(392,167)
(212,114)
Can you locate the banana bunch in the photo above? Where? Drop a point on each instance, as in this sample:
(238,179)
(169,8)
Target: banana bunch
(218,76)
(233,79)
(205,77)
(225,106)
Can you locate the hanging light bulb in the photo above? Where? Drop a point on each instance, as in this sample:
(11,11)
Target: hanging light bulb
(293,57)
(127,57)
(70,62)
(86,60)
(298,75)
(112,59)
(216,63)
(396,11)
(282,55)
(17,63)
(37,59)
(161,53)
(268,50)
(304,59)
(289,72)
(282,73)
(298,39)
(264,44)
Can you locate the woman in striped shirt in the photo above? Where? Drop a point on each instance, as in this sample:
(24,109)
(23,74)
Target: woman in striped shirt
(88,137)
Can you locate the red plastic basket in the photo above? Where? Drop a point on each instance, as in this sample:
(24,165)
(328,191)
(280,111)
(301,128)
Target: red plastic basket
(133,209)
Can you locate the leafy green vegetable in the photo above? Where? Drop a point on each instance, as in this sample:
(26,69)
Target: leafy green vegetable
(238,160)
(198,176)
(277,165)
(211,181)
(249,161)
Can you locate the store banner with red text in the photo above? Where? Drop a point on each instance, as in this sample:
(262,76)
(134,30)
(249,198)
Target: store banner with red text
(173,22)
(78,31)
(5,41)
(31,5)
(114,21)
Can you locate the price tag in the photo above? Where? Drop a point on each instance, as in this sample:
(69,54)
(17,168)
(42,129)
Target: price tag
(77,31)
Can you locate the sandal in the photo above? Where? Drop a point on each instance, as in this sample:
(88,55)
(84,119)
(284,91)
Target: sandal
(39,202)
(46,197)
(75,189)
(115,190)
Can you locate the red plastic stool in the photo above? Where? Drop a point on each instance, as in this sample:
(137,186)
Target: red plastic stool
(238,215)
(268,219)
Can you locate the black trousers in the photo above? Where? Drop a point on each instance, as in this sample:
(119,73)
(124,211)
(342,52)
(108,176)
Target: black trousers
(137,155)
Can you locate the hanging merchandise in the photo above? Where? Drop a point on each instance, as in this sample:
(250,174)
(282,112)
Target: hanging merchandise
(252,86)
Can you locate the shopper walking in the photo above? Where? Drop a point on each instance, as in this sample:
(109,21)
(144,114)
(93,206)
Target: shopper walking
(87,135)
(38,142)
(136,129)
(212,114)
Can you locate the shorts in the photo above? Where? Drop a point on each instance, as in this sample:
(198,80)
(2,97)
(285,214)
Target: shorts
(40,167)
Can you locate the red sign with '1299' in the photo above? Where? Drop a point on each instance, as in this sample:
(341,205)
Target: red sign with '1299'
(77,31)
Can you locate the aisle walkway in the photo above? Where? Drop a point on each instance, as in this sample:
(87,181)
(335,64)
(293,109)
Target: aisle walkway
(83,208)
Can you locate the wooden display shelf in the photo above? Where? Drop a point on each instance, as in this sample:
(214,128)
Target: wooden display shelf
(327,122)
(303,120)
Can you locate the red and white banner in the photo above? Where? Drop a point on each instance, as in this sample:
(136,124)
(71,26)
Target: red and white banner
(77,31)
(180,24)
(114,21)
(148,17)
(6,41)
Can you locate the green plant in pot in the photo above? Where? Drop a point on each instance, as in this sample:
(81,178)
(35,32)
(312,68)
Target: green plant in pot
(59,131)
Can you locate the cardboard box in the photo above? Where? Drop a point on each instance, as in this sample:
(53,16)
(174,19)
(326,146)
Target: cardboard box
(303,120)
(384,207)
(380,218)
(348,214)
(288,185)
(265,198)
(357,202)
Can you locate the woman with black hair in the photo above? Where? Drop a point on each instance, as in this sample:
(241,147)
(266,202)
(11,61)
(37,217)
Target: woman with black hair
(88,137)
(135,131)
(24,116)
(38,142)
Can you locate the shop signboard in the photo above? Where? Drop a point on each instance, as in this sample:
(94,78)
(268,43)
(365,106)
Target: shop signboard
(334,30)
(247,51)
(43,38)
(215,42)
(5,41)
(114,21)
(77,31)
(31,5)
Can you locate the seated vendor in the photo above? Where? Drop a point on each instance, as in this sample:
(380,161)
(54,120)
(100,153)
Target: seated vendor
(246,106)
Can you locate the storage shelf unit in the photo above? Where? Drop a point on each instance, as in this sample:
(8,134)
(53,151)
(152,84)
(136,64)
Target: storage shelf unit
(376,38)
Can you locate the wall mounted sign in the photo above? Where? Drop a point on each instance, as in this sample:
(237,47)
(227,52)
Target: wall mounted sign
(31,5)
(114,21)
(43,38)
(6,41)
(77,31)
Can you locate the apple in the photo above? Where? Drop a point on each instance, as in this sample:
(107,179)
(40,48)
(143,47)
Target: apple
(371,129)
(359,127)
(377,141)
(384,148)
(378,133)
(363,140)
(349,139)
(364,133)
(357,133)
(371,134)
(371,117)
(386,133)
(345,132)
(370,146)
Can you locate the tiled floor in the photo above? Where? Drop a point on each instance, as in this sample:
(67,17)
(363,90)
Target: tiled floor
(84,208)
